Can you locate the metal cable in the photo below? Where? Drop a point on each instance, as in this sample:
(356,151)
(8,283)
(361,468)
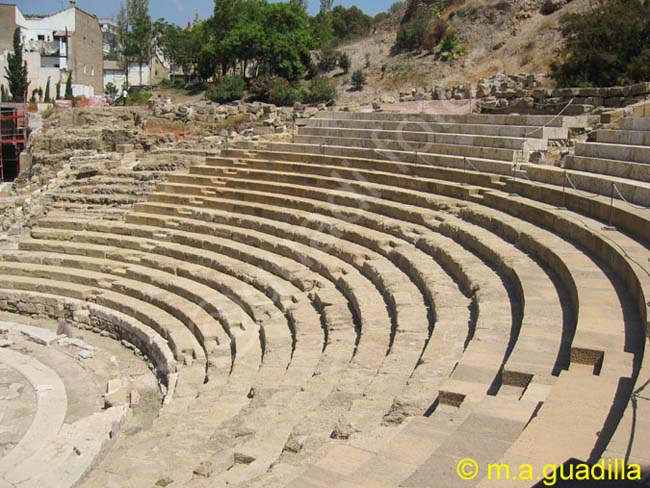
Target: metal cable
(552,120)
(581,192)
(638,207)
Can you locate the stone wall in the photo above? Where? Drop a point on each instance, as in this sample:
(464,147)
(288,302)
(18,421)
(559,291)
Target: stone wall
(255,118)
(535,99)
(532,94)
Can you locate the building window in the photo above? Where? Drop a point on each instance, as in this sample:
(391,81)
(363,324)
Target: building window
(41,37)
(92,71)
(85,69)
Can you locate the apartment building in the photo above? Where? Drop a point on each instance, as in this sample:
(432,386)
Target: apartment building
(55,45)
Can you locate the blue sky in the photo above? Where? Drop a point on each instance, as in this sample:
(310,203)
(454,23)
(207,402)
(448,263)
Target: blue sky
(178,11)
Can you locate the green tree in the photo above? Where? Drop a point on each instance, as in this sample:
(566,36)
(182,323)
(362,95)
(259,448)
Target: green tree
(242,37)
(16,71)
(177,45)
(47,90)
(605,46)
(304,4)
(69,94)
(344,62)
(288,40)
(358,80)
(348,23)
(326,6)
(125,41)
(141,32)
(322,29)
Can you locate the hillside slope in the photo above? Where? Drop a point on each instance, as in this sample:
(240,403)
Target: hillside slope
(499,37)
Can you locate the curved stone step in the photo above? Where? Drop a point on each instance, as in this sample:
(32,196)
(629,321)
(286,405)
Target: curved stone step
(632,220)
(412,195)
(481,354)
(233,278)
(340,138)
(450,126)
(636,192)
(620,152)
(195,305)
(361,294)
(52,404)
(116,324)
(624,137)
(609,167)
(396,292)
(62,282)
(412,131)
(479,119)
(546,313)
(578,351)
(402,155)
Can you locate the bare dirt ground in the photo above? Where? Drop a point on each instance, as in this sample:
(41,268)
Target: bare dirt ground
(498,38)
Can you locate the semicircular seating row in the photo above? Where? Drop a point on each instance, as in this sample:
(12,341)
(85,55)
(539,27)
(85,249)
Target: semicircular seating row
(53,449)
(398,309)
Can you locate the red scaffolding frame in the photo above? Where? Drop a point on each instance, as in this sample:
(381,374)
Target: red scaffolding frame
(14,129)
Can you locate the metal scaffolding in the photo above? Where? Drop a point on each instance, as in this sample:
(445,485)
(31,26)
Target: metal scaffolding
(14,128)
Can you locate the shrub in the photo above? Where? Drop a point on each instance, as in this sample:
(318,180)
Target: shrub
(450,48)
(320,90)
(165,83)
(275,90)
(639,67)
(407,38)
(605,46)
(284,96)
(110,89)
(422,28)
(344,62)
(328,60)
(68,88)
(227,89)
(358,80)
(260,88)
(137,97)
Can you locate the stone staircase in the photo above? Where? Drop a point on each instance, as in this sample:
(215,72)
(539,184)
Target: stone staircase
(365,306)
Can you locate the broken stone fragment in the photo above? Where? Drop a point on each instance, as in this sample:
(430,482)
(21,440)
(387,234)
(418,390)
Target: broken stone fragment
(241,458)
(293,445)
(204,470)
(86,354)
(343,430)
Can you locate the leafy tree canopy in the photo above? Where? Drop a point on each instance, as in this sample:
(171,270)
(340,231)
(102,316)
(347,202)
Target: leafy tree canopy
(605,46)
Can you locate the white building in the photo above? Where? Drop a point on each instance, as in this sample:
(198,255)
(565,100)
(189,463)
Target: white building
(152,74)
(109,33)
(54,46)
